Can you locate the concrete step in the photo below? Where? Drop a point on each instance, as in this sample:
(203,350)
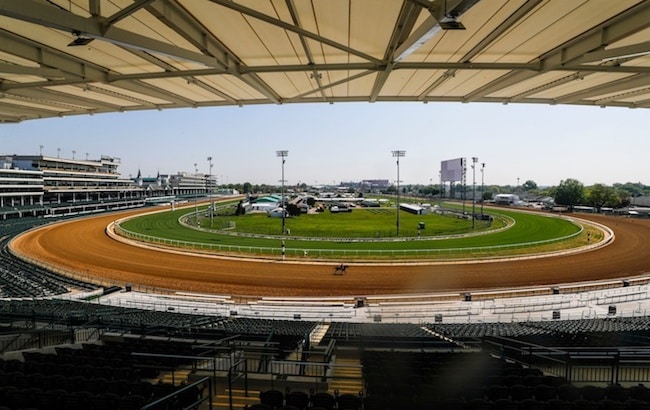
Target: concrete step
(318,333)
(239,399)
(347,379)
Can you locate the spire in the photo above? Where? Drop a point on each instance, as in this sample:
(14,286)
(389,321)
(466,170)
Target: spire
(138,178)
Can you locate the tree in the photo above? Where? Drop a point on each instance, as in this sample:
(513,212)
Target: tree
(624,196)
(601,195)
(529,185)
(391,190)
(570,192)
(428,190)
(633,188)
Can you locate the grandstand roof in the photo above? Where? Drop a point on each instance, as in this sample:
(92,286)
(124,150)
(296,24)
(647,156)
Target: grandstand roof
(71,57)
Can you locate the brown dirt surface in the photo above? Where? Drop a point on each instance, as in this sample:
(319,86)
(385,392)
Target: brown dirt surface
(82,246)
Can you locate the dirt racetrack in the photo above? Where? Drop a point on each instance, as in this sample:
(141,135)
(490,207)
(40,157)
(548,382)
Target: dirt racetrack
(82,246)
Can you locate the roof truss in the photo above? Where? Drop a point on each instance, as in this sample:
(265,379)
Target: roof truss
(158,54)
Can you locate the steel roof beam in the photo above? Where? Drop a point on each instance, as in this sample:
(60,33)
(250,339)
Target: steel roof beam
(81,72)
(330,85)
(52,17)
(150,90)
(45,56)
(190,28)
(189,78)
(486,41)
(639,80)
(315,75)
(279,23)
(628,94)
(50,73)
(405,22)
(124,13)
(55,97)
(633,20)
(9,107)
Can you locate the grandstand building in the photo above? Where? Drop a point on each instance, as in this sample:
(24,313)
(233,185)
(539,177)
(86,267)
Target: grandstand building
(154,187)
(18,187)
(39,185)
(181,184)
(185,184)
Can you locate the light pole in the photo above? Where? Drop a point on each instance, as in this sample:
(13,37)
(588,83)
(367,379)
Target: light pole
(210,191)
(474,161)
(282,154)
(441,190)
(398,155)
(482,187)
(41,149)
(196,196)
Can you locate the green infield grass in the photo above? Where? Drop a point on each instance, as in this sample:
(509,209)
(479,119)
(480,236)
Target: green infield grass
(364,233)
(360,223)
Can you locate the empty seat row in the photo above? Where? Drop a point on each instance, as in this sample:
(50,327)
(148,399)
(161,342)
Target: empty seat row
(275,399)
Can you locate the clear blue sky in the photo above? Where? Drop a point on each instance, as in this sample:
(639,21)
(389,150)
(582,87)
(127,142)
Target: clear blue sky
(353,141)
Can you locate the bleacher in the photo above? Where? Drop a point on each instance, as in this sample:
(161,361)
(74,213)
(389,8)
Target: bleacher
(428,365)
(124,374)
(119,349)
(20,279)
(384,335)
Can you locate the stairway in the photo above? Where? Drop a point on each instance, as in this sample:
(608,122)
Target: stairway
(318,333)
(239,399)
(347,376)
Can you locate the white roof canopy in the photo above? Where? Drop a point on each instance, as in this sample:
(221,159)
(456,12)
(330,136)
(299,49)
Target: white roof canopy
(71,57)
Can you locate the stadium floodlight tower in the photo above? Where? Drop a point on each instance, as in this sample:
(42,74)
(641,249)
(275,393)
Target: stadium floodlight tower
(474,161)
(210,191)
(398,154)
(196,196)
(282,154)
(482,187)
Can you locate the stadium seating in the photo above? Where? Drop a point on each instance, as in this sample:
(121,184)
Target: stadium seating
(416,366)
(19,279)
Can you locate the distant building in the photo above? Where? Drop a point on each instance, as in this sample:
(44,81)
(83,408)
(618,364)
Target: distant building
(20,187)
(640,201)
(185,184)
(40,185)
(506,199)
(154,187)
(375,183)
(266,203)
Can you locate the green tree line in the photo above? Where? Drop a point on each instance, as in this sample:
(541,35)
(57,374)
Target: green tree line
(569,192)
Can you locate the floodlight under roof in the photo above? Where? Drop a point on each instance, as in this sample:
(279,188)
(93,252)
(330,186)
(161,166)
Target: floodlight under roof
(451,25)
(79,40)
